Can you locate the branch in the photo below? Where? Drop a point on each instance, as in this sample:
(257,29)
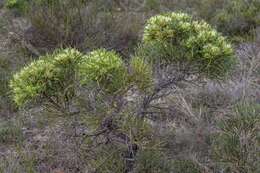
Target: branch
(155,95)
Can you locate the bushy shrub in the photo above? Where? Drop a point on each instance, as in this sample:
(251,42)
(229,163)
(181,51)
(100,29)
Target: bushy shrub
(104,68)
(235,146)
(176,38)
(125,136)
(50,77)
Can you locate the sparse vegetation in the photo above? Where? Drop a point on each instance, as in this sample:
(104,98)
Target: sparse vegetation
(235,146)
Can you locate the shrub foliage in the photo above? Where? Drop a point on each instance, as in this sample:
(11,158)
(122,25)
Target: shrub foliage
(53,75)
(178,38)
(105,68)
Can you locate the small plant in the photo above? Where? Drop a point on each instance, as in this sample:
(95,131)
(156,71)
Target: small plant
(235,146)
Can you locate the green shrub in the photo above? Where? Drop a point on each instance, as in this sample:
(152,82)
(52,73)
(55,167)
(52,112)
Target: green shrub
(235,146)
(105,69)
(50,77)
(176,38)
(123,130)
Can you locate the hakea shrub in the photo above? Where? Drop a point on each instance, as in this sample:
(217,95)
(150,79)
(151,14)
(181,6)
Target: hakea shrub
(53,75)
(178,38)
(170,40)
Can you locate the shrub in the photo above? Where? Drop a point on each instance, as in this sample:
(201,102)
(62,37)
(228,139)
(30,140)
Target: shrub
(104,68)
(125,129)
(235,146)
(50,77)
(177,38)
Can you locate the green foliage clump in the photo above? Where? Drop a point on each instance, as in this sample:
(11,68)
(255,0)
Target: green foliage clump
(178,38)
(50,76)
(235,146)
(105,69)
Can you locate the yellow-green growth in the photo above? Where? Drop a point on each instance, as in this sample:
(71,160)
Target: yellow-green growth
(50,76)
(104,68)
(178,38)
